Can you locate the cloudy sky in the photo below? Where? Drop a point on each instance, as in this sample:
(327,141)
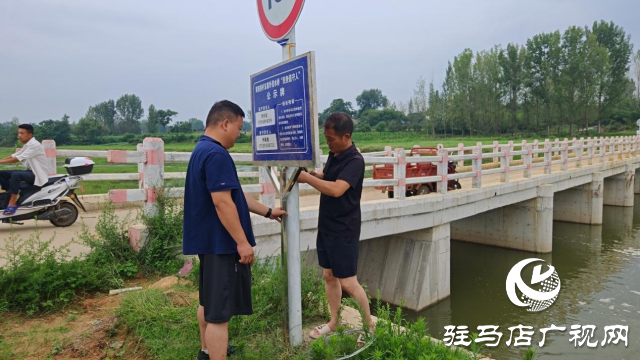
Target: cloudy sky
(61,56)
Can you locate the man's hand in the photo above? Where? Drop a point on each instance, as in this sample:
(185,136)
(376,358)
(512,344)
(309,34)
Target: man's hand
(317,173)
(246,254)
(277,214)
(304,177)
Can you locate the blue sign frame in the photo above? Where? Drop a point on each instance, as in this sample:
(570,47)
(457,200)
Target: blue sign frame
(284,113)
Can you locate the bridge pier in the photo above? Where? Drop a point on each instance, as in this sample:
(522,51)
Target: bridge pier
(413,267)
(526,226)
(619,189)
(581,204)
(636,182)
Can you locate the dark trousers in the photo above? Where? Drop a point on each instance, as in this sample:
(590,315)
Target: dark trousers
(10,180)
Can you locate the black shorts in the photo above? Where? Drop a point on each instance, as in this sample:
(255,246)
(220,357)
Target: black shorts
(340,254)
(225,287)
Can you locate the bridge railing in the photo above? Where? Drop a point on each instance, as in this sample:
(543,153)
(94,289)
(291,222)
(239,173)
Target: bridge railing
(485,159)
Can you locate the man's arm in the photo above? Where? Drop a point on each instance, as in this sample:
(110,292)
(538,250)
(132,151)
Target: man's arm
(9,160)
(228,214)
(260,209)
(330,188)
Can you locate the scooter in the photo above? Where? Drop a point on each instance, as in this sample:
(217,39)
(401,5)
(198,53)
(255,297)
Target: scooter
(51,201)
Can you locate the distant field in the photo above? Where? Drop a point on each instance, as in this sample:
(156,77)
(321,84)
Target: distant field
(367,142)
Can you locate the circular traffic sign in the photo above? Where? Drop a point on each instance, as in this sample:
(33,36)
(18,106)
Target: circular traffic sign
(278,17)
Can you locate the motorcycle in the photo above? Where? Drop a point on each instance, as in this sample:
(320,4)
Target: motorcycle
(51,201)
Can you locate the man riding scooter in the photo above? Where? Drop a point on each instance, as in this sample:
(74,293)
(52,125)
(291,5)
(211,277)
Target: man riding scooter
(32,155)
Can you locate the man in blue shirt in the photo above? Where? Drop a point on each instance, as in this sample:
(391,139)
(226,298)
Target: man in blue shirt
(217,228)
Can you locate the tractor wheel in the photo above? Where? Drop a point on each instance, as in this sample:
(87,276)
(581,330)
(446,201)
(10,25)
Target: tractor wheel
(423,190)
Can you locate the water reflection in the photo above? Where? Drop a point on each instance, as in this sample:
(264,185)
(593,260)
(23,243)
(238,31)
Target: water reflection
(598,267)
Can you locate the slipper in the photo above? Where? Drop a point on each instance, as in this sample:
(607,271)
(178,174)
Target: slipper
(323,330)
(361,341)
(10,210)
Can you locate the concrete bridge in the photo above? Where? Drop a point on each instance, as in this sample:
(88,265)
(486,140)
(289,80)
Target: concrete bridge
(511,195)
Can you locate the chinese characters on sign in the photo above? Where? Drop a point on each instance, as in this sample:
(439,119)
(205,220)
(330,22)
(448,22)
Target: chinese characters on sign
(580,335)
(283,125)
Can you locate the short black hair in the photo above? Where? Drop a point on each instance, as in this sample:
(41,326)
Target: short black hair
(27,127)
(221,110)
(340,122)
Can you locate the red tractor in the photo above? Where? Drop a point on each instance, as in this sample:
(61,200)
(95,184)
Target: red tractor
(385,171)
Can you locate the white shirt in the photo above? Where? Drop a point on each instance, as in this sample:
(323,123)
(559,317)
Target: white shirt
(33,157)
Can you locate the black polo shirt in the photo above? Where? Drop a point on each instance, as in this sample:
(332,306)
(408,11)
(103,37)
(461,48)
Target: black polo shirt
(341,216)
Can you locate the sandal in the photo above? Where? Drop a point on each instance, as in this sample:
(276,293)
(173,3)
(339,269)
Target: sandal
(322,330)
(10,210)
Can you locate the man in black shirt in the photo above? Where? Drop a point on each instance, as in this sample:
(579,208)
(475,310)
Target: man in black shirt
(340,185)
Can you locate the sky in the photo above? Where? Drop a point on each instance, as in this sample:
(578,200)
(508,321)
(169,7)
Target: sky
(63,56)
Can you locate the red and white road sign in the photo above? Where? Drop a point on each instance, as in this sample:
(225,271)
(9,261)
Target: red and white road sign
(278,17)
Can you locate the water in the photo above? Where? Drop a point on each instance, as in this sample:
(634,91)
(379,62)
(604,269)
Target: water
(599,269)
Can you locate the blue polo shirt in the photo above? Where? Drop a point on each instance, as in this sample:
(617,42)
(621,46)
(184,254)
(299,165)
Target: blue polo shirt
(211,169)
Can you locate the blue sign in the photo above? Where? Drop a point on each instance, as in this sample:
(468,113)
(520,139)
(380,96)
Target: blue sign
(283,102)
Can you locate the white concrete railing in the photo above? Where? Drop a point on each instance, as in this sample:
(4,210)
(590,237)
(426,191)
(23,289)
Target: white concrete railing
(150,157)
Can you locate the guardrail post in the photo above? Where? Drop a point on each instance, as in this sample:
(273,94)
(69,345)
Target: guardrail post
(496,148)
(580,152)
(504,162)
(153,171)
(548,156)
(400,174)
(564,154)
(460,152)
(602,149)
(443,170)
(476,165)
(527,160)
(590,150)
(140,169)
(511,149)
(536,146)
(557,145)
(388,150)
(50,153)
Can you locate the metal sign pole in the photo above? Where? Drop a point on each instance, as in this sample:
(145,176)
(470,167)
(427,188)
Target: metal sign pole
(290,249)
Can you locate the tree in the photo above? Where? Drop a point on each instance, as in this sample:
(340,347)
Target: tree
(196,124)
(363,127)
(57,130)
(374,117)
(180,127)
(104,112)
(381,127)
(371,99)
(246,126)
(157,119)
(129,112)
(9,133)
(636,71)
(337,105)
(512,63)
(88,130)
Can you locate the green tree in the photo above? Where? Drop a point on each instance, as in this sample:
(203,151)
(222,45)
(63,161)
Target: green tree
(180,127)
(129,112)
(373,117)
(196,124)
(106,113)
(337,105)
(88,130)
(57,130)
(371,100)
(512,63)
(381,127)
(363,127)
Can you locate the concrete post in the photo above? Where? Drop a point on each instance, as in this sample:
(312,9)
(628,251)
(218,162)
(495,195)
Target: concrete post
(388,150)
(140,169)
(400,174)
(527,161)
(590,150)
(50,153)
(536,146)
(504,163)
(153,171)
(548,154)
(460,152)
(602,150)
(511,149)
(496,148)
(579,152)
(565,155)
(526,226)
(443,171)
(476,165)
(619,189)
(581,204)
(556,145)
(413,267)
